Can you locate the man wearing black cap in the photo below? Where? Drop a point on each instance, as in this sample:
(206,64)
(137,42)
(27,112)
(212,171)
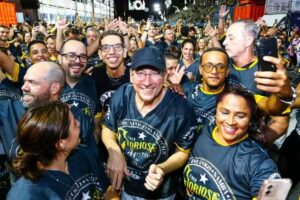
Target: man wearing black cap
(148,131)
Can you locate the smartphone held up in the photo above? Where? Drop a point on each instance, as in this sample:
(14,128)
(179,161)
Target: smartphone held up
(266,47)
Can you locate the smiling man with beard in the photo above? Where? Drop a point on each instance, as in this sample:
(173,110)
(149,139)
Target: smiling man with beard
(79,90)
(43,81)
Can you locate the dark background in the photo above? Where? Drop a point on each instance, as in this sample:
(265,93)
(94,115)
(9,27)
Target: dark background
(121,8)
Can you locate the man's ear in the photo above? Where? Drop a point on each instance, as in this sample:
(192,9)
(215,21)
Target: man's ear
(55,88)
(99,54)
(249,40)
(131,75)
(227,73)
(125,52)
(59,59)
(29,58)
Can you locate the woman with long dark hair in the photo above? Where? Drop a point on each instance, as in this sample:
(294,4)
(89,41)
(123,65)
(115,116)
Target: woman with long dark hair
(187,59)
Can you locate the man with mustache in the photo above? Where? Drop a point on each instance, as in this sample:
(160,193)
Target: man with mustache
(43,81)
(15,71)
(79,90)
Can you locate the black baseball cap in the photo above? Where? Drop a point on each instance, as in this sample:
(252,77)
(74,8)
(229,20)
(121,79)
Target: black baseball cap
(149,56)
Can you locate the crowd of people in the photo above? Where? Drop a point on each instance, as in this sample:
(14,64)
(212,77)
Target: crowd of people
(136,110)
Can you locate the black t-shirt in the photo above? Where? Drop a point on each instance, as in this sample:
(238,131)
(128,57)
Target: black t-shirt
(151,139)
(106,85)
(215,171)
(82,96)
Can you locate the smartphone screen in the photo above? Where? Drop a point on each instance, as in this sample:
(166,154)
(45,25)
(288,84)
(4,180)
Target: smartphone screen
(266,47)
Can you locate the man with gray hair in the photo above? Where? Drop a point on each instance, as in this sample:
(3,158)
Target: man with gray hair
(272,90)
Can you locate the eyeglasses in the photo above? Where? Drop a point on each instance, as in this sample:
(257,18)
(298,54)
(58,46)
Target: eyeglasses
(116,47)
(73,57)
(140,75)
(208,67)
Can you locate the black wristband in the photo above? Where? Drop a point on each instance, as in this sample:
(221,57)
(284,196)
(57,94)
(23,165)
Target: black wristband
(124,34)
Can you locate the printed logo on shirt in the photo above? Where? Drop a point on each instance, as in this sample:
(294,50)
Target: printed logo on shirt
(204,117)
(105,98)
(202,180)
(81,101)
(142,145)
(10,95)
(83,189)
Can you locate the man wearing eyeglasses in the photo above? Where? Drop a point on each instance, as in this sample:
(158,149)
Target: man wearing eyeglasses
(43,82)
(115,73)
(79,90)
(202,96)
(109,77)
(148,131)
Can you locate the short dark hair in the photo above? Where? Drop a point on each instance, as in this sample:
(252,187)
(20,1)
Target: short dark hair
(66,41)
(172,52)
(191,41)
(218,50)
(192,29)
(33,42)
(75,31)
(111,32)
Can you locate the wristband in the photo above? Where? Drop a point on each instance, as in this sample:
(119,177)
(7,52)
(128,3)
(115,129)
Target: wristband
(291,100)
(124,34)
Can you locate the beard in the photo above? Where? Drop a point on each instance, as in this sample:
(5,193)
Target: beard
(44,97)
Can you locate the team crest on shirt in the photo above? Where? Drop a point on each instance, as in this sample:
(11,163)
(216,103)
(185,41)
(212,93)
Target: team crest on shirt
(81,101)
(204,117)
(105,98)
(142,145)
(203,180)
(7,94)
(82,189)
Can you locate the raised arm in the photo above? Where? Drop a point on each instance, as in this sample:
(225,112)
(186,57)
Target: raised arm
(222,15)
(6,64)
(60,26)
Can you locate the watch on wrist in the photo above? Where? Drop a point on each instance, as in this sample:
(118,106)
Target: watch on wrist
(291,100)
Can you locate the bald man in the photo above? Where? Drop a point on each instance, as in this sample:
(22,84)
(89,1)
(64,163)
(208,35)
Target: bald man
(43,81)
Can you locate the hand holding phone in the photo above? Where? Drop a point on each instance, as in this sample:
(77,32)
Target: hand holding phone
(266,47)
(275,189)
